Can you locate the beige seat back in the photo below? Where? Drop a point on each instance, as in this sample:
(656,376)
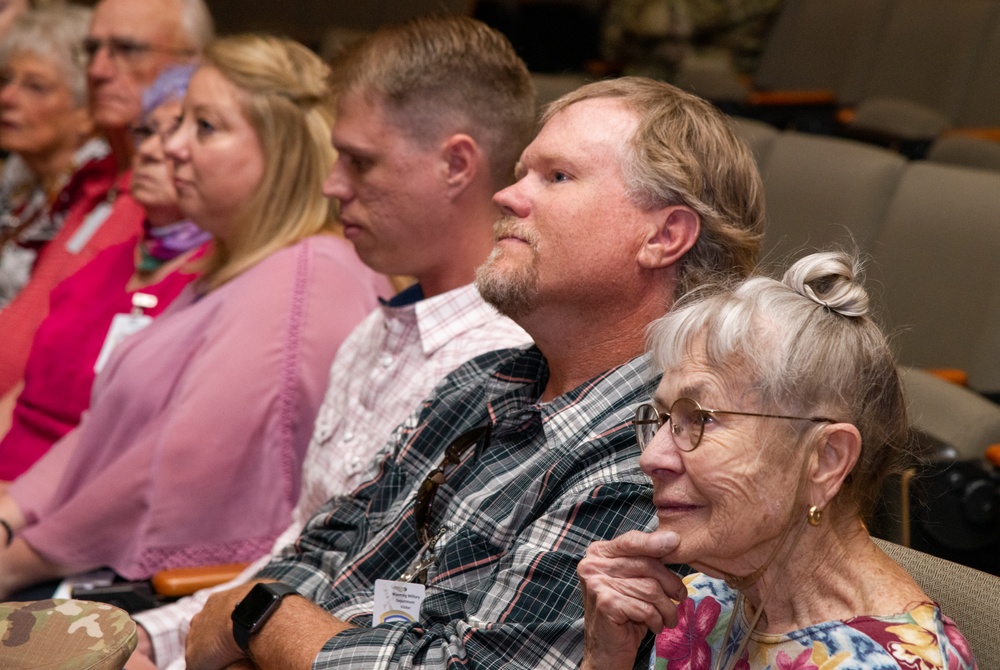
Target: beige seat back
(822,44)
(824,190)
(968,597)
(935,263)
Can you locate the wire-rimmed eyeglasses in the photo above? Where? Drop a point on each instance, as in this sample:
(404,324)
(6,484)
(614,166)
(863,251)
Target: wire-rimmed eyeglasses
(123,50)
(144,131)
(687,421)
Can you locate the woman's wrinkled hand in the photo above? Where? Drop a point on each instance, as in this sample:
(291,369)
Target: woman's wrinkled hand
(627,590)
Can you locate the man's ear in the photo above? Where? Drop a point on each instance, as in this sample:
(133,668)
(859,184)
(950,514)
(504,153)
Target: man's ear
(837,451)
(461,162)
(674,231)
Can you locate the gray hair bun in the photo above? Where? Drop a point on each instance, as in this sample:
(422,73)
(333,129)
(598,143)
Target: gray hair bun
(828,279)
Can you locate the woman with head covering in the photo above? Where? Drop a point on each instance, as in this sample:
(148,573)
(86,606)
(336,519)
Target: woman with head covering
(191,452)
(46,128)
(778,416)
(120,290)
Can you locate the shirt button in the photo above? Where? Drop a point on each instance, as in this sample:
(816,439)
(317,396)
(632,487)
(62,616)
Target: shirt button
(348,436)
(385,360)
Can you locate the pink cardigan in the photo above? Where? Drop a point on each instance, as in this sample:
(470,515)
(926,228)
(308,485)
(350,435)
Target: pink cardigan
(192,449)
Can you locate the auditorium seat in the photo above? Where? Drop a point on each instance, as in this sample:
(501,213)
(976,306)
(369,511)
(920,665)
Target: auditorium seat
(970,597)
(825,190)
(922,67)
(971,152)
(759,136)
(934,260)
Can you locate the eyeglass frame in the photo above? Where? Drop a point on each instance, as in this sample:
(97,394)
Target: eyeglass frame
(424,501)
(141,132)
(36,89)
(123,50)
(664,417)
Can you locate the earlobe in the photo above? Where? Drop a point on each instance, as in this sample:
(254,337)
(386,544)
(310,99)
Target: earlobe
(676,231)
(836,455)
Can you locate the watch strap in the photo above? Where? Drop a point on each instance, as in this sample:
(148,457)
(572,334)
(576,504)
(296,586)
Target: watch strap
(241,634)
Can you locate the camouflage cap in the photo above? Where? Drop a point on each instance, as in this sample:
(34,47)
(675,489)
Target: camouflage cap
(65,634)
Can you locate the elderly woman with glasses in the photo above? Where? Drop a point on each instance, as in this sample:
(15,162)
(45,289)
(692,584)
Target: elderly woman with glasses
(778,416)
(46,128)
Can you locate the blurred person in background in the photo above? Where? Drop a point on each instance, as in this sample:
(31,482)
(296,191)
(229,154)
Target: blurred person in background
(116,293)
(192,449)
(46,129)
(128,43)
(657,38)
(10,10)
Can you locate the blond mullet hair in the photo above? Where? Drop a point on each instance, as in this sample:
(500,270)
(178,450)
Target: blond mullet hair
(684,152)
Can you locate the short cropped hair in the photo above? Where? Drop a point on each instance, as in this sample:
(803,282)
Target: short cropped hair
(52,33)
(805,346)
(285,98)
(436,76)
(684,152)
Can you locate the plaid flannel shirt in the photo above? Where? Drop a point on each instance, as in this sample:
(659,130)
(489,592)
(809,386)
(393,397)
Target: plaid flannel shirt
(385,368)
(517,517)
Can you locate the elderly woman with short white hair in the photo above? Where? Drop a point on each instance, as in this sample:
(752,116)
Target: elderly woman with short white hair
(45,126)
(778,416)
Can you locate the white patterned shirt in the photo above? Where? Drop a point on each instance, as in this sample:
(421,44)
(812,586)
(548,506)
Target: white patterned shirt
(386,366)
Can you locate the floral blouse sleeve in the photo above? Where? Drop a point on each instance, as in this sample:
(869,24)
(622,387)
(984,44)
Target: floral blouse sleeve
(920,639)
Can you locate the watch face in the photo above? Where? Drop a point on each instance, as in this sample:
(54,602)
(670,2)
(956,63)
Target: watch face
(254,604)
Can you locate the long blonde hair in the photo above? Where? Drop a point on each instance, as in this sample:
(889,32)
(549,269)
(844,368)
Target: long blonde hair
(285,98)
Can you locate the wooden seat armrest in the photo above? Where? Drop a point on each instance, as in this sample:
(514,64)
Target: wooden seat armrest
(987,133)
(177,582)
(993,454)
(953,375)
(790,97)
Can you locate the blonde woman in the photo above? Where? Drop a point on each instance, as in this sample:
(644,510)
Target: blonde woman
(192,450)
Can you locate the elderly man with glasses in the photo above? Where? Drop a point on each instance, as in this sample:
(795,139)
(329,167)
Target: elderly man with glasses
(461,550)
(129,43)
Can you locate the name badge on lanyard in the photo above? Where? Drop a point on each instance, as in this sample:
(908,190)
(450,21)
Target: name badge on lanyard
(123,325)
(397,601)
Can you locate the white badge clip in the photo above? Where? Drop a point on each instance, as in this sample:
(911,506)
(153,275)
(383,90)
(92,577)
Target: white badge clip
(90,225)
(123,325)
(397,602)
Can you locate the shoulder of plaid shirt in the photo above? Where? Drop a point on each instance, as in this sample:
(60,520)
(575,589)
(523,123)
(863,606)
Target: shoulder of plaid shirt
(518,517)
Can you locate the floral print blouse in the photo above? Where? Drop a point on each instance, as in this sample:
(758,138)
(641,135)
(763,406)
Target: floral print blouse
(920,639)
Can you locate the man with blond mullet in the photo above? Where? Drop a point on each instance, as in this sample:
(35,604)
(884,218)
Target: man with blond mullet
(129,43)
(461,550)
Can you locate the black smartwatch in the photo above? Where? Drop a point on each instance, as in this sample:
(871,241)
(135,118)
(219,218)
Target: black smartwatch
(251,613)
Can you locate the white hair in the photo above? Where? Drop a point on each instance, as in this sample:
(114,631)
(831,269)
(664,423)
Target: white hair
(804,346)
(52,33)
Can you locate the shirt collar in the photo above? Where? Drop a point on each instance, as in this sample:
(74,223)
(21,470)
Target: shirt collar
(441,318)
(583,413)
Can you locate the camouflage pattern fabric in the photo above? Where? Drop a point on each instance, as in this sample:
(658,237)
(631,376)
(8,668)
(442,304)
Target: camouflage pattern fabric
(65,635)
(652,37)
